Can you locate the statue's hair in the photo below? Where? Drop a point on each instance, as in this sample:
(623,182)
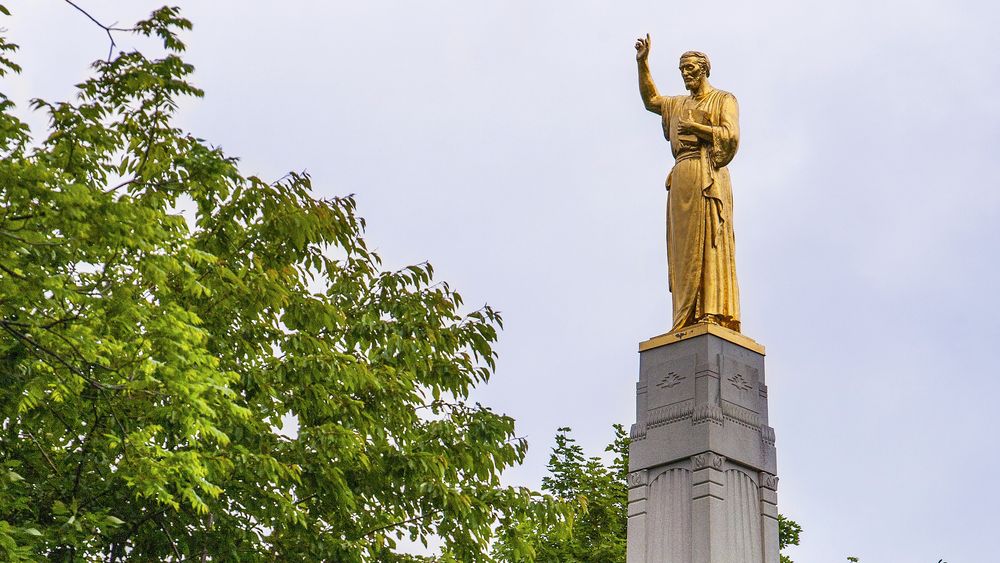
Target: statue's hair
(702,59)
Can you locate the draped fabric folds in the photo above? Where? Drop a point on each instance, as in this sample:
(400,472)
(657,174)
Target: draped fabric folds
(700,241)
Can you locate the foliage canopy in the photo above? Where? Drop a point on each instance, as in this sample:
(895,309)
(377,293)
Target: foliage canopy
(597,490)
(148,359)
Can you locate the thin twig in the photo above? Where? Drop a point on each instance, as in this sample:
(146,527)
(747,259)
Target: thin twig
(121,427)
(28,340)
(83,451)
(107,28)
(25,241)
(51,324)
(20,217)
(120,539)
(177,552)
(121,185)
(12,273)
(402,523)
(41,449)
(204,547)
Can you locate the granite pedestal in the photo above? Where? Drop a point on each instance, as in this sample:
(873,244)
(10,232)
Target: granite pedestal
(702,471)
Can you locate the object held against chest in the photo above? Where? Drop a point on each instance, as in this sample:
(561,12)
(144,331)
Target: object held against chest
(695,116)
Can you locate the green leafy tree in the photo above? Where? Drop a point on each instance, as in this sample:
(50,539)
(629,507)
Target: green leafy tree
(148,361)
(788,534)
(600,495)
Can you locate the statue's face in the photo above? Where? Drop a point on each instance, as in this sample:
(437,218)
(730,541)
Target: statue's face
(692,72)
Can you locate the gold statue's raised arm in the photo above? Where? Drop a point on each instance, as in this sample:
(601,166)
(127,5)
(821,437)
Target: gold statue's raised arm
(647,88)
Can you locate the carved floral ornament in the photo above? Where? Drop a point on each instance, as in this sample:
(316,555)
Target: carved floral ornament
(708,460)
(769,481)
(637,478)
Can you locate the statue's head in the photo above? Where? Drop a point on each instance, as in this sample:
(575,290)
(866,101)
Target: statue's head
(695,68)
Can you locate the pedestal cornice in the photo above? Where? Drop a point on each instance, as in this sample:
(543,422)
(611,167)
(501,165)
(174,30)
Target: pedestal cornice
(698,330)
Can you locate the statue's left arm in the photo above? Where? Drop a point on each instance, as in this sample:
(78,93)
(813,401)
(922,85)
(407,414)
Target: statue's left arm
(724,136)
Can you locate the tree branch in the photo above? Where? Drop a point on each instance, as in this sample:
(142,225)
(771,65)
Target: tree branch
(12,273)
(83,451)
(73,369)
(173,544)
(119,543)
(401,523)
(107,28)
(41,449)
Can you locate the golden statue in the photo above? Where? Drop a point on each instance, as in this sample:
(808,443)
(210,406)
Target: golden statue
(703,131)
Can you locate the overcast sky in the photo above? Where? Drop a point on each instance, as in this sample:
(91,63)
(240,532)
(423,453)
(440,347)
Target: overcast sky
(506,143)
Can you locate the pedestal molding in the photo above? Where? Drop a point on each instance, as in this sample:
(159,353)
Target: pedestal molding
(670,413)
(708,413)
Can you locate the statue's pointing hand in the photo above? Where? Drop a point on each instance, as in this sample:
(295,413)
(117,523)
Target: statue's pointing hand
(642,48)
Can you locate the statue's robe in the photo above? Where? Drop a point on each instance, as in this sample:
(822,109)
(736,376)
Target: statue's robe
(700,242)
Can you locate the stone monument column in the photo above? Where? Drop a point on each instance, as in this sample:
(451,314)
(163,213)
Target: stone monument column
(702,472)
